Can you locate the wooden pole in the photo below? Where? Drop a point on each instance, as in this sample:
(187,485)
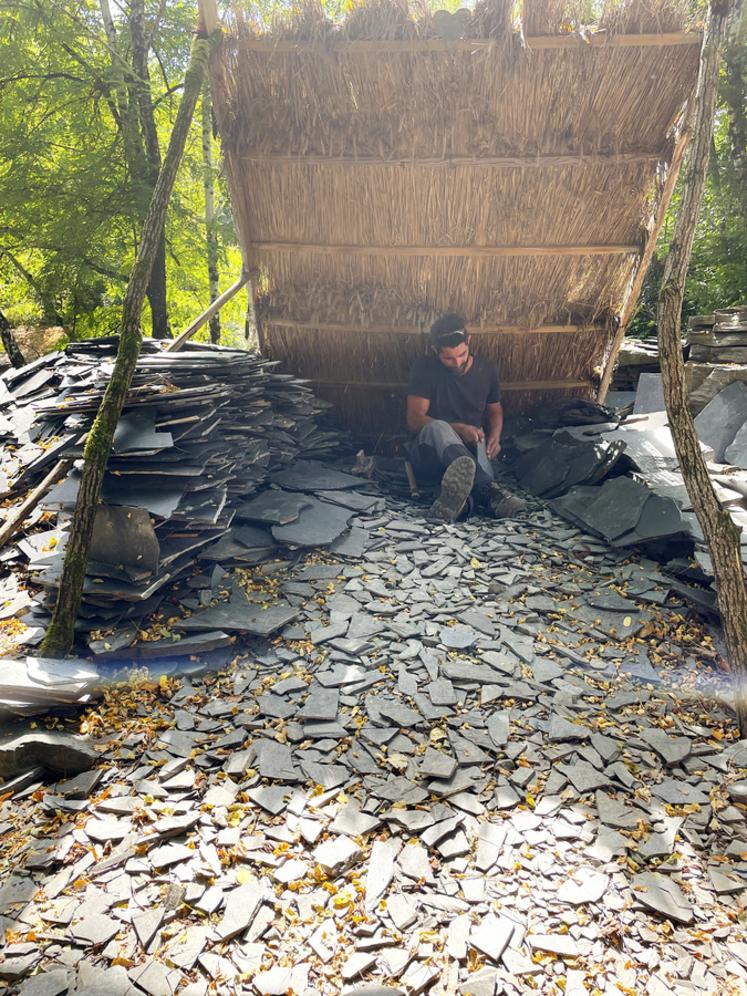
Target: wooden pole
(60,633)
(721,533)
(634,290)
(32,499)
(208,313)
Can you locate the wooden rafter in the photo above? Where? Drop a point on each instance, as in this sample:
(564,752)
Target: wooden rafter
(516,385)
(330,249)
(406,46)
(341,327)
(559,160)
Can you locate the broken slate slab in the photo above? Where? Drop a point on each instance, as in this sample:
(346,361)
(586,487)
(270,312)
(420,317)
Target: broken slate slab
(53,983)
(583,776)
(672,750)
(61,753)
(459,637)
(318,524)
(311,475)
(351,821)
(584,886)
(490,841)
(563,729)
(242,905)
(380,871)
(436,764)
(491,935)
(95,929)
(661,894)
(241,615)
(717,424)
(334,856)
(274,507)
(558,944)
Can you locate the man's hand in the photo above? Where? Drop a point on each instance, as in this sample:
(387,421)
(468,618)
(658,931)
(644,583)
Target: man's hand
(469,434)
(493,446)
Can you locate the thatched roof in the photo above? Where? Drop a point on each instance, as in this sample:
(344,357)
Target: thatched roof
(401,164)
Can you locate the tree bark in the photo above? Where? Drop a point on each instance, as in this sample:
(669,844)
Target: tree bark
(142,96)
(735,95)
(211,234)
(720,532)
(126,113)
(14,354)
(50,312)
(59,637)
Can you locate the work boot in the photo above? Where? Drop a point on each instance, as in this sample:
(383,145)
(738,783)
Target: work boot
(504,505)
(456,485)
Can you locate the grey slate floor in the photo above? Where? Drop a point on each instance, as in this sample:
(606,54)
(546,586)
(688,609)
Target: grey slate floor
(483,758)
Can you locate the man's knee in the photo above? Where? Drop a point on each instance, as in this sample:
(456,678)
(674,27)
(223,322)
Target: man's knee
(438,432)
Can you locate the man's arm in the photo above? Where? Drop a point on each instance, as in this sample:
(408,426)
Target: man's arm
(417,412)
(418,417)
(494,418)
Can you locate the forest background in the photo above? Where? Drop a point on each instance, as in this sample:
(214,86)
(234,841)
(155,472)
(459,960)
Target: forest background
(88,94)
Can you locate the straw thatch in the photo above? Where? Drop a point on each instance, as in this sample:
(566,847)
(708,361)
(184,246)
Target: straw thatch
(402,163)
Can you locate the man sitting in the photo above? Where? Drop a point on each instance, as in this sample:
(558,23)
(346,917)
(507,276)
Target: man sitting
(451,397)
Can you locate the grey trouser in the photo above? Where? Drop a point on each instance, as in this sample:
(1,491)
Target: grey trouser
(437,445)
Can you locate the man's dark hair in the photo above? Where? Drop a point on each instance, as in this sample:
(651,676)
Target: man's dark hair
(448,331)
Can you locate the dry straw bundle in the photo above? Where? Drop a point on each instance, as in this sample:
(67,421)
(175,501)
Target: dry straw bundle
(509,164)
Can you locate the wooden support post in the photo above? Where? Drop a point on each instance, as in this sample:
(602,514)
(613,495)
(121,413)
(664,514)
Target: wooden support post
(631,298)
(721,533)
(208,313)
(32,499)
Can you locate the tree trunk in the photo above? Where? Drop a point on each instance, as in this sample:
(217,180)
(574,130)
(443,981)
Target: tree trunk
(127,113)
(721,534)
(735,95)
(60,633)
(211,234)
(14,354)
(50,312)
(142,97)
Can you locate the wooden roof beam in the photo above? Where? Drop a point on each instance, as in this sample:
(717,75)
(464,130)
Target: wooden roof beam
(331,249)
(340,327)
(498,162)
(516,385)
(406,46)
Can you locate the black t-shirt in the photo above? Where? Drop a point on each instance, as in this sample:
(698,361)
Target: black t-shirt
(455,398)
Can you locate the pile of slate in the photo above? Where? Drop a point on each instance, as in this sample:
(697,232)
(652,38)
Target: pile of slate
(202,432)
(717,354)
(636,356)
(462,769)
(563,461)
(720,337)
(644,501)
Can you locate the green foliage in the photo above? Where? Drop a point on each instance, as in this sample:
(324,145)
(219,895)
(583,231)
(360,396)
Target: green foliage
(717,277)
(69,210)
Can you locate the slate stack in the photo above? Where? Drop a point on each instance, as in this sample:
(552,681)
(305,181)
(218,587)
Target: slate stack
(636,356)
(201,432)
(720,337)
(718,354)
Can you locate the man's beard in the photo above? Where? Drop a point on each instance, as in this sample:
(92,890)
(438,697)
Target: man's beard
(461,370)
